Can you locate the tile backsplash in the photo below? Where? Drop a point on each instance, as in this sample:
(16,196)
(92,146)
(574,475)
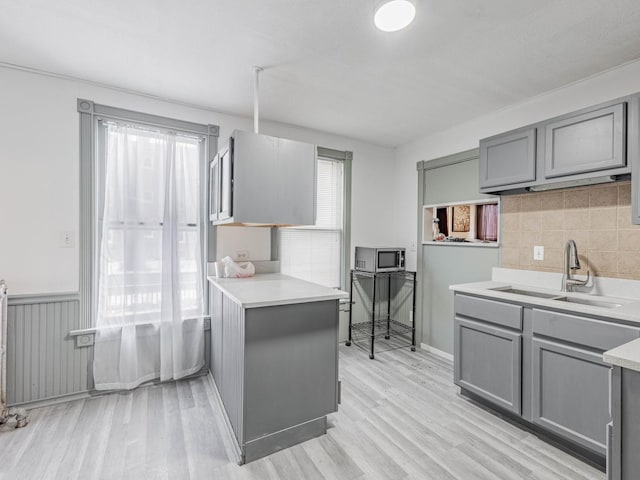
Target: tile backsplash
(597,217)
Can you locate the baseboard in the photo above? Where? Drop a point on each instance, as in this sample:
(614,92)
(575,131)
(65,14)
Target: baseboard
(435,351)
(229,439)
(47,402)
(274,442)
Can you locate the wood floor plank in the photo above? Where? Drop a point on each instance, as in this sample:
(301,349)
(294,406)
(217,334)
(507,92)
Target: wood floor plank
(401,418)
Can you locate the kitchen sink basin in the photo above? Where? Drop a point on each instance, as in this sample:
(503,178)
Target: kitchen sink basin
(561,297)
(589,302)
(528,293)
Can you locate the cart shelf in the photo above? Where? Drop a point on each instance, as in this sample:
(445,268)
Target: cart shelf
(382,322)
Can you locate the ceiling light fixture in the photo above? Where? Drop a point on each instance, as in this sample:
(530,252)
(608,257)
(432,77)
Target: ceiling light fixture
(394,15)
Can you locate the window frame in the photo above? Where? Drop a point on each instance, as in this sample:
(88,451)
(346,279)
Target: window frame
(91,139)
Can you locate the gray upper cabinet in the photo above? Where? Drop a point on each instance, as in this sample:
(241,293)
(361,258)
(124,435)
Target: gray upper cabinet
(588,142)
(572,149)
(508,159)
(258,179)
(633,129)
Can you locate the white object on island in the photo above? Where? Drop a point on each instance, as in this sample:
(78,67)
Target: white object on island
(237,270)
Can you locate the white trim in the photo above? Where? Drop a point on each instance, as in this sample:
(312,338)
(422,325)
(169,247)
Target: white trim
(437,352)
(464,244)
(482,201)
(47,402)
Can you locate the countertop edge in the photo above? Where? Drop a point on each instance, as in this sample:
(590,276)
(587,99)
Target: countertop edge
(331,295)
(625,356)
(626,313)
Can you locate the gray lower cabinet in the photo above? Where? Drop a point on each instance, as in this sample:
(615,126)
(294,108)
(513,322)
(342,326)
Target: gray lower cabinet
(570,382)
(571,393)
(488,362)
(508,159)
(542,365)
(623,461)
(590,141)
(276,370)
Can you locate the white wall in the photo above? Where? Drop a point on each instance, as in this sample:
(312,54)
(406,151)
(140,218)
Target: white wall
(605,86)
(39,171)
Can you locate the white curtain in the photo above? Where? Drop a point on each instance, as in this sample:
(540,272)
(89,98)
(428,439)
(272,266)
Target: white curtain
(149,283)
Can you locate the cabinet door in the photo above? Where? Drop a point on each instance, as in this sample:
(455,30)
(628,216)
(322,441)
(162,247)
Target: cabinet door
(214,189)
(488,362)
(508,159)
(226,183)
(588,142)
(634,156)
(571,393)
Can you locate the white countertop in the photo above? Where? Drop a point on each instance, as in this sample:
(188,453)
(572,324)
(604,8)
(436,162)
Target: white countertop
(625,356)
(263,290)
(628,312)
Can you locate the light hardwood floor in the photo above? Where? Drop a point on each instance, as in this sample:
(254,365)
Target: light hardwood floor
(400,418)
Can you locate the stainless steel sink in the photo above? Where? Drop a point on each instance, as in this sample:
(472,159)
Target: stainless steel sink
(528,293)
(586,301)
(560,297)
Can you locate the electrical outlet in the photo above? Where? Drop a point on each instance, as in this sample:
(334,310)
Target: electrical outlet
(538,252)
(242,255)
(67,240)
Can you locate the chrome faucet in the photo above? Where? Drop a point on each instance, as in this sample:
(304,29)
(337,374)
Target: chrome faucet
(571,264)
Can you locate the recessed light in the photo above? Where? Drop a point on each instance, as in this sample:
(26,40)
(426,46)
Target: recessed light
(394,15)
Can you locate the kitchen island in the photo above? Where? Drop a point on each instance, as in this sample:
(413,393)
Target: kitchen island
(274,359)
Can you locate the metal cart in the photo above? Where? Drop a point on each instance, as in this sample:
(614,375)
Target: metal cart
(391,298)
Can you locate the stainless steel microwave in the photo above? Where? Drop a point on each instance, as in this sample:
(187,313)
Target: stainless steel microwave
(377,259)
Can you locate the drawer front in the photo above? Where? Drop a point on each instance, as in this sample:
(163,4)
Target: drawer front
(584,331)
(571,396)
(499,313)
(488,362)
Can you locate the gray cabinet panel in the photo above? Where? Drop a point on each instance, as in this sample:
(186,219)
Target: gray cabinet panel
(214,189)
(634,156)
(508,159)
(630,412)
(231,386)
(500,313)
(290,346)
(488,362)
(570,393)
(266,180)
(587,142)
(597,334)
(216,333)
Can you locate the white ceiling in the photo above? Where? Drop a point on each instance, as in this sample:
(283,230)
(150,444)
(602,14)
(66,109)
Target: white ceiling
(326,66)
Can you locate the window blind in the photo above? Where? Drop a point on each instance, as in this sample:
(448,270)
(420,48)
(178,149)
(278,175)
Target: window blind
(314,253)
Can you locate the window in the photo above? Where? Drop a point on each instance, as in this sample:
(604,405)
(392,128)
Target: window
(142,169)
(318,253)
(145,136)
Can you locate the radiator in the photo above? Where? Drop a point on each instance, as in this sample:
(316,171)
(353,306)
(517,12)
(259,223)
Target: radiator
(22,419)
